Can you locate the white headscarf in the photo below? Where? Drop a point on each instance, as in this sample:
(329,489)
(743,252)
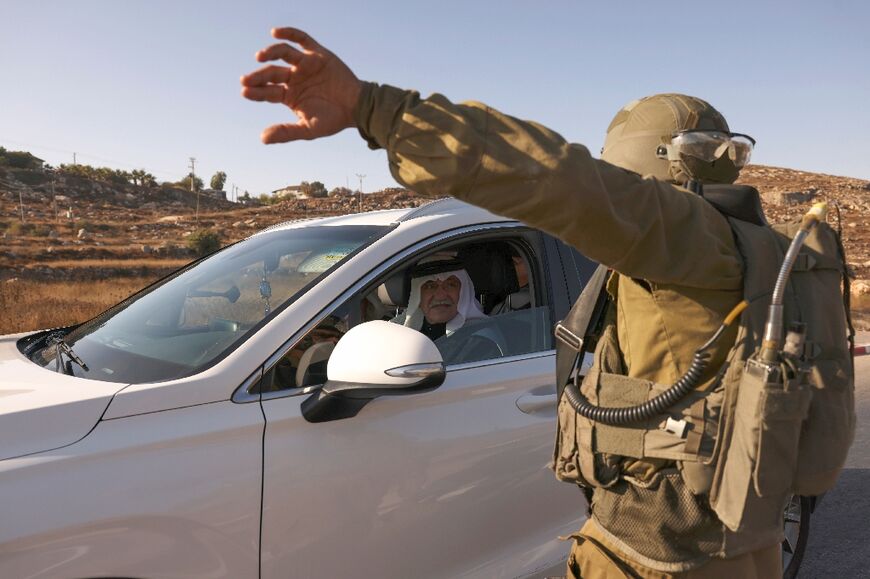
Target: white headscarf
(468,307)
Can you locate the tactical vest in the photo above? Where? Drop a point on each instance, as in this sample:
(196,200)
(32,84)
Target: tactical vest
(726,458)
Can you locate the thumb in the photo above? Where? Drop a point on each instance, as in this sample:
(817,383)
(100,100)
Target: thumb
(285,133)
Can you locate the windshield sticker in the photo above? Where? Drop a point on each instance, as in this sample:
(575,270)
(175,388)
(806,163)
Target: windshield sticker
(321,261)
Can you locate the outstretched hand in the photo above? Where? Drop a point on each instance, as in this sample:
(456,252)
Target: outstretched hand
(317,86)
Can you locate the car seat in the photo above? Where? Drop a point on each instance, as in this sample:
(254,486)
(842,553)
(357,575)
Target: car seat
(312,364)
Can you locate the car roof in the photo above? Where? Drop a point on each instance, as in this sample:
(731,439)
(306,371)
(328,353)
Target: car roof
(437,208)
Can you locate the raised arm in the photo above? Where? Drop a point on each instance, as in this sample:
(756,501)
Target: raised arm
(643,228)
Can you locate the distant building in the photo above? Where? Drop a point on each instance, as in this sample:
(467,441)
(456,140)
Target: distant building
(291,191)
(20,159)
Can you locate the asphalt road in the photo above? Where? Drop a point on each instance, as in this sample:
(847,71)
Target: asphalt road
(839,543)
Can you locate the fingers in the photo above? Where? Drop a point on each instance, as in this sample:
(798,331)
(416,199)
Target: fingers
(285,133)
(298,36)
(267,75)
(273,93)
(283,51)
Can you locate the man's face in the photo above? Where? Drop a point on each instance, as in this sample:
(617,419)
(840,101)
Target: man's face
(439,299)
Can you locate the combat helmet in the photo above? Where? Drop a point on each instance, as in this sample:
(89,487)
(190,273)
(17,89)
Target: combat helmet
(676,138)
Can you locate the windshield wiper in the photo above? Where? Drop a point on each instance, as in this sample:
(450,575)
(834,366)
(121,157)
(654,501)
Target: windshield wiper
(62,348)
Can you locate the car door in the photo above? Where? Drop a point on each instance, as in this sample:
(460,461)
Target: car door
(452,482)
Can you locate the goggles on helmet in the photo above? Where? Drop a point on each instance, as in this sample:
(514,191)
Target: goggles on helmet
(708,146)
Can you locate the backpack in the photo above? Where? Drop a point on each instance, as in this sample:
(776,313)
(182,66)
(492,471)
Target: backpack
(773,435)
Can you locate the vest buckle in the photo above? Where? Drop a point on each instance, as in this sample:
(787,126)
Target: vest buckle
(569,338)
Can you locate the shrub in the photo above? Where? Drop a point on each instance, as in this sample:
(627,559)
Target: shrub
(204,241)
(19,228)
(41,230)
(32,178)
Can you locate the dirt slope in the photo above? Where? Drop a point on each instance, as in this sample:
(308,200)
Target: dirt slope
(125,230)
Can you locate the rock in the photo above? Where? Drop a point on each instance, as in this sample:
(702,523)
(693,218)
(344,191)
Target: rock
(187,234)
(789,197)
(147,249)
(171,219)
(53,234)
(860,287)
(83,234)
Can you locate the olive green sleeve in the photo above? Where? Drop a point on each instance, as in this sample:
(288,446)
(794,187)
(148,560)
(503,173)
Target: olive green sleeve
(643,228)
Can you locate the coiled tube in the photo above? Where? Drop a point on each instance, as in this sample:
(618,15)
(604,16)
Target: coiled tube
(641,412)
(629,414)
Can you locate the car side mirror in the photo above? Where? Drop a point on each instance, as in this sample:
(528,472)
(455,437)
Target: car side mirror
(374,359)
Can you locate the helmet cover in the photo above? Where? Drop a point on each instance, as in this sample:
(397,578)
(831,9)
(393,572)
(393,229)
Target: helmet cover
(642,126)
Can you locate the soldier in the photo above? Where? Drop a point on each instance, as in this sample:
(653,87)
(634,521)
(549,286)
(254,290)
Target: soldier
(678,269)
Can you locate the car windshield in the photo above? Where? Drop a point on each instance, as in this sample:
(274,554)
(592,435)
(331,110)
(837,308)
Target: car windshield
(193,318)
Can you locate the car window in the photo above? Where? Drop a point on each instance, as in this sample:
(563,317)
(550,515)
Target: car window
(191,319)
(509,314)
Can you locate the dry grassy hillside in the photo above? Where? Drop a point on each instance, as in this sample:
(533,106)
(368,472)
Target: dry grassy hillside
(58,269)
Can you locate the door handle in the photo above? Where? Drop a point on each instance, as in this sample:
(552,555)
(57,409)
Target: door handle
(537,403)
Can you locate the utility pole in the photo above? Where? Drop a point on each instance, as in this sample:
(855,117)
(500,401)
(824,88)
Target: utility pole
(359,202)
(21,203)
(74,158)
(54,200)
(192,179)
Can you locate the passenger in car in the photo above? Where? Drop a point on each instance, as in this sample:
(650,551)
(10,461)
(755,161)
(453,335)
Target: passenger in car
(520,299)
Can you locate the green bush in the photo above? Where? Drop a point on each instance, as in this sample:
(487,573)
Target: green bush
(32,178)
(18,228)
(204,241)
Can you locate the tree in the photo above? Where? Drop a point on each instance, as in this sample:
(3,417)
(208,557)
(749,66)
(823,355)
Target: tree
(142,178)
(204,241)
(340,192)
(245,197)
(185,183)
(149,180)
(264,198)
(136,176)
(218,180)
(19,159)
(317,189)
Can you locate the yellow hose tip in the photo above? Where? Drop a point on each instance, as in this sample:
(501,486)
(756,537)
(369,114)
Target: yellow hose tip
(820,210)
(738,309)
(817,214)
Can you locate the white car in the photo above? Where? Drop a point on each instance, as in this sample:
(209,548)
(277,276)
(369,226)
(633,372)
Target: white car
(190,431)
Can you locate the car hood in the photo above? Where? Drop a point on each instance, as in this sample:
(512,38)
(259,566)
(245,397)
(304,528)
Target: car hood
(41,409)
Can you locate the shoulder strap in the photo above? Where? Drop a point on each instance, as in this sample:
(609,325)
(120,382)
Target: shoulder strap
(573,332)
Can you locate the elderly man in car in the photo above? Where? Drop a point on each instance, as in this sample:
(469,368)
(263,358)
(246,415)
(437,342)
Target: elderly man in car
(442,297)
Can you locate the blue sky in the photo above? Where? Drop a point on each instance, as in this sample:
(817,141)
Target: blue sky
(148,84)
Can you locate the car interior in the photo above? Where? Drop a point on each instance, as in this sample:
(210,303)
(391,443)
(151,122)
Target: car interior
(520,325)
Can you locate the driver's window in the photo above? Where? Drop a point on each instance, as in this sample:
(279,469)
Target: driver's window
(476,301)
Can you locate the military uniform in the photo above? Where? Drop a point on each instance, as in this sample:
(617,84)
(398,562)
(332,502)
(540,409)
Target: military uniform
(676,260)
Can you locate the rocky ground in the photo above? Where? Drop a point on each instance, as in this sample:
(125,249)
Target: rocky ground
(76,228)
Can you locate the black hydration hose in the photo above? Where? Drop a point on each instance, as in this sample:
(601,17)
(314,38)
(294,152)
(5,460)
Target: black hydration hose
(629,414)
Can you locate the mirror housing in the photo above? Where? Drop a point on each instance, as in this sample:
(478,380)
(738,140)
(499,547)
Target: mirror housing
(374,359)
